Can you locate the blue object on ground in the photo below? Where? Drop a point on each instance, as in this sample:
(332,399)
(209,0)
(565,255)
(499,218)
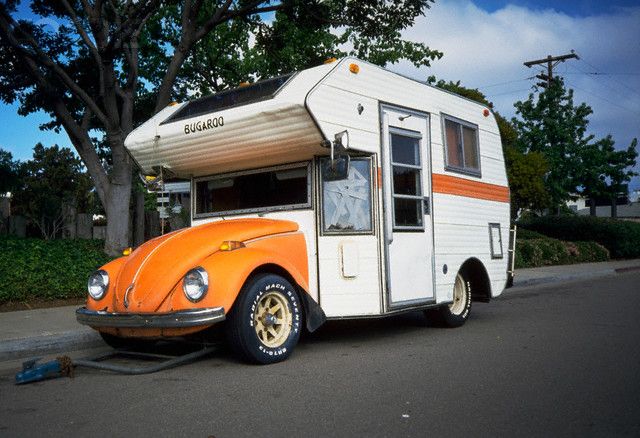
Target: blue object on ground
(31,372)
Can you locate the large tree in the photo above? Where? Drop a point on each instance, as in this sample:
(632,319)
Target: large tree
(99,67)
(550,123)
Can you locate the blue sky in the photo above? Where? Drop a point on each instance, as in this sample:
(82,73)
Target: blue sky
(485,43)
(569,7)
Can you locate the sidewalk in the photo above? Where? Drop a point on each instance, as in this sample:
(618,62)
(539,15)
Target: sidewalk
(30,333)
(552,274)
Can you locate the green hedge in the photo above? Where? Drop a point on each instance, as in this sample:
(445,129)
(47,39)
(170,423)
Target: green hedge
(524,234)
(41,269)
(621,238)
(532,253)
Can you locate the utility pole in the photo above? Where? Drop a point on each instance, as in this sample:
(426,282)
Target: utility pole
(551,62)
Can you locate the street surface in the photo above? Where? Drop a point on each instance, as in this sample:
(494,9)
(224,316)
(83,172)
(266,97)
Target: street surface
(552,360)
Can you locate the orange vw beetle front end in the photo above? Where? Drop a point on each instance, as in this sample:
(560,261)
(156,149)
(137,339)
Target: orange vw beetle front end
(251,272)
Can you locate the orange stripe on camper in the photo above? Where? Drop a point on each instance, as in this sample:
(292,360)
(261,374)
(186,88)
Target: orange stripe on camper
(451,185)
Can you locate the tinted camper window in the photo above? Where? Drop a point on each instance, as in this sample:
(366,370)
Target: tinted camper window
(281,188)
(461,146)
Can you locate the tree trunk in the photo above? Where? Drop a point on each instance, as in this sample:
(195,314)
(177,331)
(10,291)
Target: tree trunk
(592,206)
(614,207)
(138,224)
(117,209)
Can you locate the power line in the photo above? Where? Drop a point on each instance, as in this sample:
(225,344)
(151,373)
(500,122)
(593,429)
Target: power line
(602,73)
(610,78)
(506,83)
(605,99)
(509,92)
(608,85)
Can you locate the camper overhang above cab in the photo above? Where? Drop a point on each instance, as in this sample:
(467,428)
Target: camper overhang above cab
(257,125)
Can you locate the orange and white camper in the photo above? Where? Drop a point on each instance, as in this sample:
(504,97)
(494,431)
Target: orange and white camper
(341,191)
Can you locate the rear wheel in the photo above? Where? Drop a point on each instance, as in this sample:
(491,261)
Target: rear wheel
(265,322)
(456,313)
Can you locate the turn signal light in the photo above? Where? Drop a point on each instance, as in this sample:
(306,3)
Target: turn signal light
(231,245)
(127,251)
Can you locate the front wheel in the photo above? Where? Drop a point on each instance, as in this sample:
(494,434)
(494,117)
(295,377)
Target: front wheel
(456,313)
(265,322)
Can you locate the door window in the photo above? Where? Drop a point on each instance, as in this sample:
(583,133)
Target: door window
(407,181)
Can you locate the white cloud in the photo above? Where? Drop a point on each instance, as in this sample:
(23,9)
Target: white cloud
(486,48)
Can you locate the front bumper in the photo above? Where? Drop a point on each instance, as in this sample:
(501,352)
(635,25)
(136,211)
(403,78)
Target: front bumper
(180,319)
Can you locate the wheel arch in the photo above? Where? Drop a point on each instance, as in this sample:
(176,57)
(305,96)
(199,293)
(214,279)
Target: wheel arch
(474,271)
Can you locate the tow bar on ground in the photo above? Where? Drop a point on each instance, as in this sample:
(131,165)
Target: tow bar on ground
(64,365)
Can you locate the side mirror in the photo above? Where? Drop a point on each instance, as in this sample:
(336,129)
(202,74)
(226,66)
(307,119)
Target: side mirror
(336,169)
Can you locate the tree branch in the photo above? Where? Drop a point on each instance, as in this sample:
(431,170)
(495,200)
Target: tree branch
(83,34)
(189,38)
(8,26)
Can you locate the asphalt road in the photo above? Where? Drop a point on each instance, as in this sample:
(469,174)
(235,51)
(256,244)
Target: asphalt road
(554,360)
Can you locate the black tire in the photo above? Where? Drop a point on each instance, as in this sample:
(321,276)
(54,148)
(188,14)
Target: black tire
(256,334)
(456,313)
(120,343)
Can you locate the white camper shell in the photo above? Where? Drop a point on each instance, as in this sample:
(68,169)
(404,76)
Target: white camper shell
(422,217)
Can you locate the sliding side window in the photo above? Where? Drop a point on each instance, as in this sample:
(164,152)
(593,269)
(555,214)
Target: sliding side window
(461,146)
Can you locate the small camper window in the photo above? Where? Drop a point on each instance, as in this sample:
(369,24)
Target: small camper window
(279,188)
(347,203)
(461,146)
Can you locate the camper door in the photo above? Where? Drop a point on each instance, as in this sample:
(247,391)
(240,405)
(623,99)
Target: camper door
(408,229)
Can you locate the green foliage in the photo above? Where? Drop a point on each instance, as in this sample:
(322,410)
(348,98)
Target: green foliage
(526,173)
(545,251)
(9,172)
(302,34)
(41,269)
(551,124)
(621,238)
(524,234)
(52,178)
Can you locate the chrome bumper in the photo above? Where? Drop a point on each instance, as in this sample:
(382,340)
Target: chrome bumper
(184,318)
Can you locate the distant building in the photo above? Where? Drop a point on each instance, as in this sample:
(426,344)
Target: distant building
(628,206)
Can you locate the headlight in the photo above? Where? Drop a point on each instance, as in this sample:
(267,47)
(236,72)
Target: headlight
(98,284)
(195,284)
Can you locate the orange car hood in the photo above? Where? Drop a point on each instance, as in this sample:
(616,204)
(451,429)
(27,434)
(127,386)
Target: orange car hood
(154,268)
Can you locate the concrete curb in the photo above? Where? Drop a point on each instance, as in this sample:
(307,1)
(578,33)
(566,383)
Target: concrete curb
(49,343)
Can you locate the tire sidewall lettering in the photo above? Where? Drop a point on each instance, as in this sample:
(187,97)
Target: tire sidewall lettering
(292,301)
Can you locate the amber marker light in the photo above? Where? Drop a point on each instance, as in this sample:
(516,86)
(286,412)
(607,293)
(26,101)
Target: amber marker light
(354,68)
(173,103)
(330,60)
(231,245)
(127,251)
(244,84)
